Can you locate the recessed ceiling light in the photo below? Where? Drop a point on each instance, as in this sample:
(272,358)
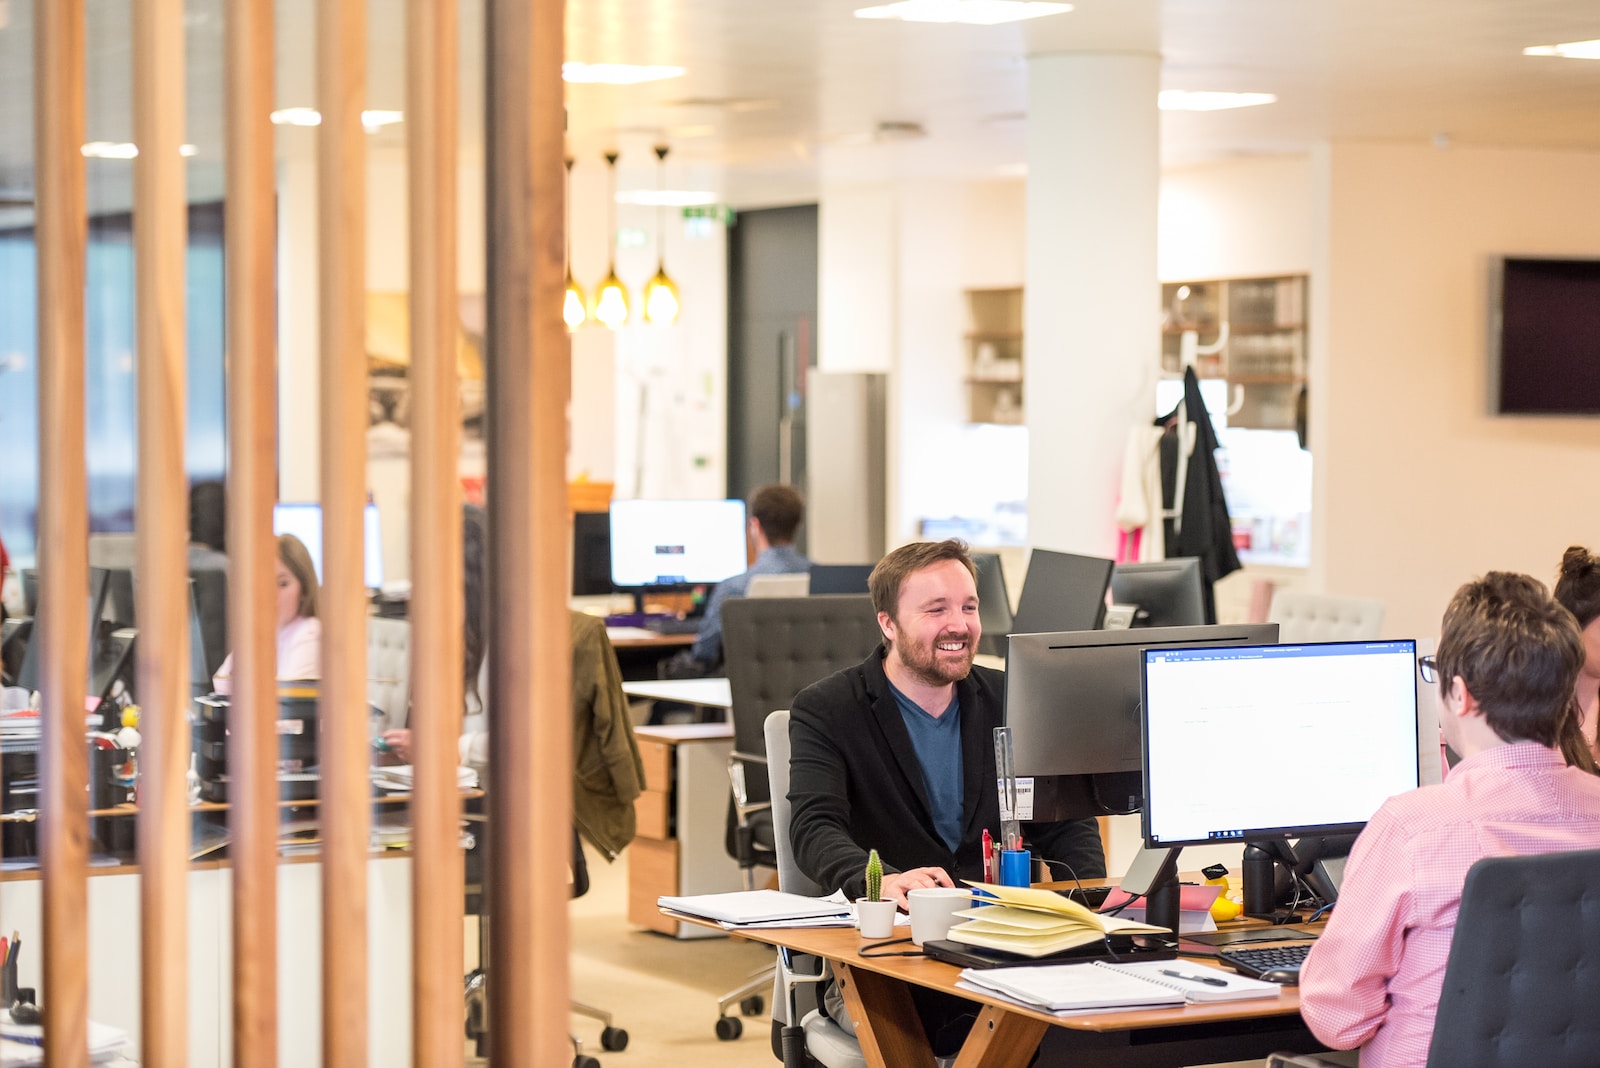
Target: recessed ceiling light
(967,12)
(1184,100)
(1570,50)
(666,198)
(124,150)
(373,119)
(617,73)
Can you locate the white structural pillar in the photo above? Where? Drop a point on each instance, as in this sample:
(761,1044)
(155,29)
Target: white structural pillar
(1092,302)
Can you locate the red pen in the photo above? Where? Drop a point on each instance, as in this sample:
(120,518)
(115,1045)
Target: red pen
(988,856)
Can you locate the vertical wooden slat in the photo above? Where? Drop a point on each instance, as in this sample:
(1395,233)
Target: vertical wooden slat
(252,441)
(162,522)
(344,752)
(62,235)
(530,774)
(436,608)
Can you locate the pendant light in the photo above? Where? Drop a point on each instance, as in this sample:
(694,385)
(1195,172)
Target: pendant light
(611,296)
(660,293)
(574,309)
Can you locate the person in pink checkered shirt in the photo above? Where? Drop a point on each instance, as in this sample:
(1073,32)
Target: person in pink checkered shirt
(1508,659)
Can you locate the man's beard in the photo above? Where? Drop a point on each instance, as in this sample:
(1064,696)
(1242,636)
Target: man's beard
(924,663)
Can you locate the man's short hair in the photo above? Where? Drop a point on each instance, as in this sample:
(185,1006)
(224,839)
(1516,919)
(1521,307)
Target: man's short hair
(1518,651)
(779,510)
(892,571)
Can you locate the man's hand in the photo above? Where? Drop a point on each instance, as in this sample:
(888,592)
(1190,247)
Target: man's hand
(896,885)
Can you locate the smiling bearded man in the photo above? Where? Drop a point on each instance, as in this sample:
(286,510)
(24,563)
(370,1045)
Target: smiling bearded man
(897,753)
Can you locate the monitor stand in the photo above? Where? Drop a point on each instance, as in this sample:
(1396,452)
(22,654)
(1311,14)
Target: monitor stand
(1154,874)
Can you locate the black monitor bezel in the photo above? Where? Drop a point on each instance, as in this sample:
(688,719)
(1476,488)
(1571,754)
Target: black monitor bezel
(1287,831)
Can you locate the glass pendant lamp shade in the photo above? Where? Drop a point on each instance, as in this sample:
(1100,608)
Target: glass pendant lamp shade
(575,310)
(611,296)
(661,298)
(661,303)
(611,300)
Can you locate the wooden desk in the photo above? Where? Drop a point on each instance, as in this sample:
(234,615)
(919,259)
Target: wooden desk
(877,993)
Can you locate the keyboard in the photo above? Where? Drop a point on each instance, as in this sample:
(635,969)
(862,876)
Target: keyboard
(671,625)
(1255,962)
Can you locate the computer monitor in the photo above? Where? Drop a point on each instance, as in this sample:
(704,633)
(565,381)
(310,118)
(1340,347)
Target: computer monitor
(591,554)
(840,578)
(119,606)
(107,656)
(30,591)
(1072,703)
(1313,738)
(1166,592)
(303,519)
(994,604)
(656,544)
(1062,591)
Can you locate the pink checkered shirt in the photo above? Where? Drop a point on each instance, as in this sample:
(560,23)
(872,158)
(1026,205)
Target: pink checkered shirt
(1373,978)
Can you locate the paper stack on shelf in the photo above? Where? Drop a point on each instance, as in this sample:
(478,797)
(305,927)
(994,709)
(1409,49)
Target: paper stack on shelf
(22,1045)
(1036,923)
(762,908)
(401,778)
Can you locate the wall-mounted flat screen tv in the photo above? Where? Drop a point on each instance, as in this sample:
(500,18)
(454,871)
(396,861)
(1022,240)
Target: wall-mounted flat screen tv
(1544,336)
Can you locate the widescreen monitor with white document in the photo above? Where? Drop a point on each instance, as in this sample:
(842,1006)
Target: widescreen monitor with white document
(303,519)
(657,544)
(1273,741)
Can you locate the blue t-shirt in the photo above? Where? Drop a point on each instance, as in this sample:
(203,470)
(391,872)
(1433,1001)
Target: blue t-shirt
(937,742)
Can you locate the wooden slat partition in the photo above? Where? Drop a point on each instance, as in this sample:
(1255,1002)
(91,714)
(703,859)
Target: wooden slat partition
(160,234)
(530,658)
(252,476)
(62,635)
(436,599)
(344,750)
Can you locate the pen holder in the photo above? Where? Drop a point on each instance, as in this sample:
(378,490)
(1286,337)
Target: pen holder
(1016,867)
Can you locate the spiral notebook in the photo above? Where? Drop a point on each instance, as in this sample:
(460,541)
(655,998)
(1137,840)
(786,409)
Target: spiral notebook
(1101,985)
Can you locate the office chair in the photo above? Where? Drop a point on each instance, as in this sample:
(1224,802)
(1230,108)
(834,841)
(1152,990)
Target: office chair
(805,1031)
(1322,617)
(1519,979)
(775,647)
(612,1039)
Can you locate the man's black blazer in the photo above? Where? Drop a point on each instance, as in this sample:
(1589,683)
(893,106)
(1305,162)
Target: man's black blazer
(855,784)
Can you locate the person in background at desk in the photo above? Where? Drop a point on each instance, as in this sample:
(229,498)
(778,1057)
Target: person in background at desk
(775,515)
(1578,590)
(897,755)
(299,629)
(608,772)
(1508,658)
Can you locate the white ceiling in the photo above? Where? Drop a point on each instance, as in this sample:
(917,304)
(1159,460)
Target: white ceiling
(779,93)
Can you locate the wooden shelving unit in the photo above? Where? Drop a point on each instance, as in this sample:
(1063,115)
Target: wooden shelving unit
(994,375)
(1265,352)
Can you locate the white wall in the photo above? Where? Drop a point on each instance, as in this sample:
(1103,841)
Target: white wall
(1424,489)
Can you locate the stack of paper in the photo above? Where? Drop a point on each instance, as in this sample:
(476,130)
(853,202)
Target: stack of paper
(762,908)
(1036,923)
(401,778)
(1070,988)
(22,1045)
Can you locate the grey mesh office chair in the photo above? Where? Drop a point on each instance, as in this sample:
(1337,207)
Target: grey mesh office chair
(1519,983)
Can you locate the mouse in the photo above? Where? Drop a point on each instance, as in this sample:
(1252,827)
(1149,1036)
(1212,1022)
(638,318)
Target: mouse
(1282,976)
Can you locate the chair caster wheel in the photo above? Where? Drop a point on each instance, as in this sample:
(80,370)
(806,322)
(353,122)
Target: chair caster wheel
(752,1006)
(583,1060)
(729,1028)
(613,1040)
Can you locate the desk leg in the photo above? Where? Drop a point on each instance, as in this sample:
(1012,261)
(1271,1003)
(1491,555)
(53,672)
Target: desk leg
(1001,1039)
(887,1025)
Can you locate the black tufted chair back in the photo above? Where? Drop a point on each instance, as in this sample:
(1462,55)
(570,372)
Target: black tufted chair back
(1524,966)
(777,646)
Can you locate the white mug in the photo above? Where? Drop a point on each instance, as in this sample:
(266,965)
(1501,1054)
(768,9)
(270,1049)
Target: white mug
(934,910)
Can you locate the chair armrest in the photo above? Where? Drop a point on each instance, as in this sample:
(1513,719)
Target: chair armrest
(741,793)
(1301,1060)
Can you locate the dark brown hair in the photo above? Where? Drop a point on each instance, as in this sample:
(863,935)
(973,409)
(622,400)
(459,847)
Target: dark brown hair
(892,571)
(293,554)
(779,510)
(1518,652)
(1578,584)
